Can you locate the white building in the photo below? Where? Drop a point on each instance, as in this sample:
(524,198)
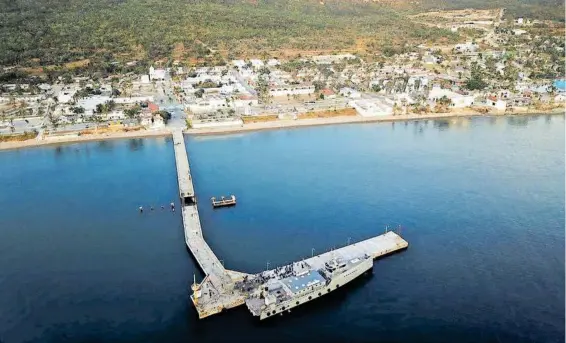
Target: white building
(239,63)
(157,74)
(65,96)
(89,104)
(227,89)
(372,107)
(152,121)
(497,104)
(245,101)
(457,100)
(284,90)
(208,104)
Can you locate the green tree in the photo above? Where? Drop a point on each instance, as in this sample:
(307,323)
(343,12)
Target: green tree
(132,112)
(78,110)
(318,85)
(263,88)
(165,115)
(444,101)
(475,81)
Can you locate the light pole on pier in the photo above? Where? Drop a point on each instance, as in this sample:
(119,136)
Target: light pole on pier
(267,265)
(312,252)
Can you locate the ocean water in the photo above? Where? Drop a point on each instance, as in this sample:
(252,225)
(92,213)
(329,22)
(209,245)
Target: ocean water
(481,202)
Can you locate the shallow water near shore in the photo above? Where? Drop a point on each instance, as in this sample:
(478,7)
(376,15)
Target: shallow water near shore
(480,200)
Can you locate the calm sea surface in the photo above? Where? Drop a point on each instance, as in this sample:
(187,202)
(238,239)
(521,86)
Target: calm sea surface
(481,202)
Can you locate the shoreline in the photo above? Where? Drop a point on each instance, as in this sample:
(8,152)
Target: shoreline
(298,123)
(32,143)
(270,125)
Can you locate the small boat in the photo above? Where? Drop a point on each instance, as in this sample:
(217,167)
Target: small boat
(223,202)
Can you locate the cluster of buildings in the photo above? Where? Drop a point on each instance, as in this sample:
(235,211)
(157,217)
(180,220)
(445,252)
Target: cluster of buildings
(511,66)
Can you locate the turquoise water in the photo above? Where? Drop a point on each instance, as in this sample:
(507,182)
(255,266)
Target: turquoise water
(481,202)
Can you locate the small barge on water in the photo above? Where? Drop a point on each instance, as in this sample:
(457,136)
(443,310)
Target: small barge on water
(223,202)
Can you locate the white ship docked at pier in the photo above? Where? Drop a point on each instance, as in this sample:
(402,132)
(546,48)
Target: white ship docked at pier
(291,286)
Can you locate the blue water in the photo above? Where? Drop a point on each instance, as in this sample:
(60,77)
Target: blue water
(560,84)
(481,202)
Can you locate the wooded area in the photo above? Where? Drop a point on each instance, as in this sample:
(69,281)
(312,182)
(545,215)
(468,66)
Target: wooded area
(103,35)
(55,32)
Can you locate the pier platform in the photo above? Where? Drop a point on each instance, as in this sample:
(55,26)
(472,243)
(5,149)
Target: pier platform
(218,291)
(375,247)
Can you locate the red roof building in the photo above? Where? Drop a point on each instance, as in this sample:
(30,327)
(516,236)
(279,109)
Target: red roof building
(153,107)
(327,92)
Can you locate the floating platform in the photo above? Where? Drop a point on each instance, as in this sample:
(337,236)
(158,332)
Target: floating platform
(223,201)
(218,290)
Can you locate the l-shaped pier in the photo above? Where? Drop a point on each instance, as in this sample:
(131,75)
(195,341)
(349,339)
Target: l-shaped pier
(217,290)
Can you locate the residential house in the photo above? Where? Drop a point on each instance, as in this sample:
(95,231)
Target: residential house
(157,74)
(152,107)
(151,120)
(495,103)
(328,93)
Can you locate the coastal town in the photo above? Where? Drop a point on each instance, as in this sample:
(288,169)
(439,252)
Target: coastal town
(502,67)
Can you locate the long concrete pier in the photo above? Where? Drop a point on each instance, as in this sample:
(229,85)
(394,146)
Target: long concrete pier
(217,290)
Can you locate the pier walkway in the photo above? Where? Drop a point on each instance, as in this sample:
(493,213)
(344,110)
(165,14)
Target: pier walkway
(217,290)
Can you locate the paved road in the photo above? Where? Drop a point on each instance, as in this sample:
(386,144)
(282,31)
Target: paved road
(22,125)
(243,82)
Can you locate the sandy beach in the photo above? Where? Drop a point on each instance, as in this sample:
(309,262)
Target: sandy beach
(85,138)
(270,125)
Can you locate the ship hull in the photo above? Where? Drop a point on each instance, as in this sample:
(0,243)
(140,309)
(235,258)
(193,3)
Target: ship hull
(336,283)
